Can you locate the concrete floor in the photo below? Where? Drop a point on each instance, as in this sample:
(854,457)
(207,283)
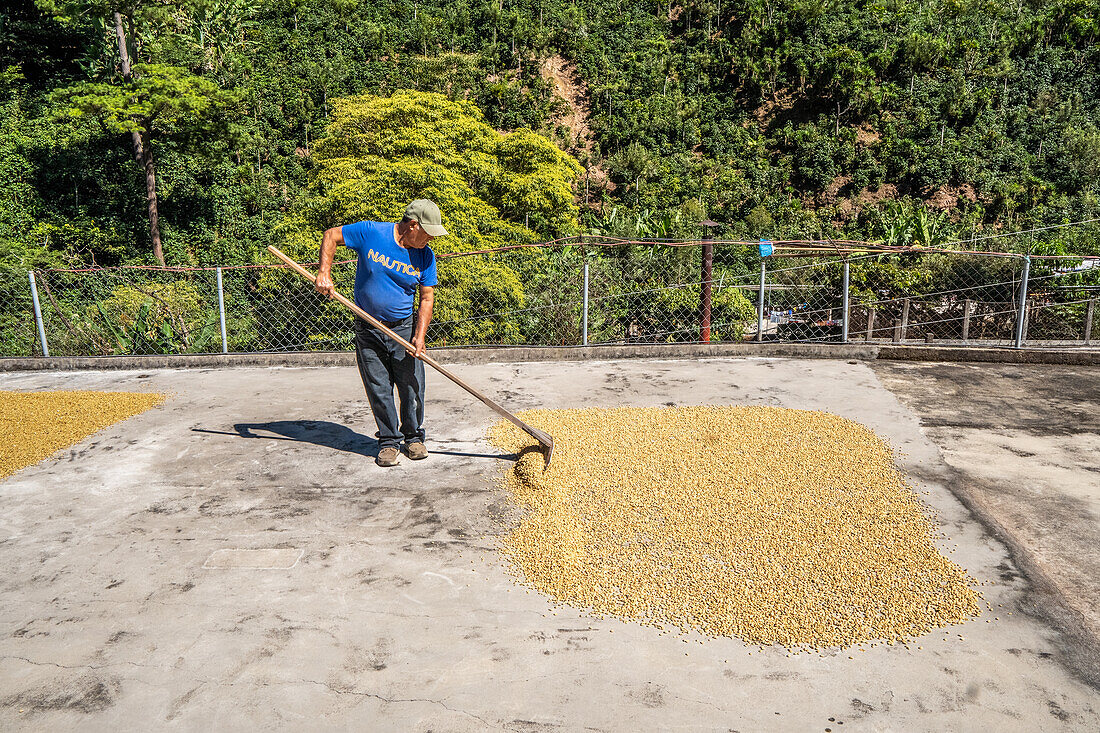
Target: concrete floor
(136,597)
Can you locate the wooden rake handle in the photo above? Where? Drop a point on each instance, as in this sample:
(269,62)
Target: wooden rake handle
(544,439)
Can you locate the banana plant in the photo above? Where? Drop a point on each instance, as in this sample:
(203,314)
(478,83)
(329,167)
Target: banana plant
(144,335)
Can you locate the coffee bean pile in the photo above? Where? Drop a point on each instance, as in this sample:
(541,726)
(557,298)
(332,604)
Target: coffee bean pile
(34,425)
(777,526)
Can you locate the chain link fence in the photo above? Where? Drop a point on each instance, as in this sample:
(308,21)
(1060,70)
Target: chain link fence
(568,294)
(18,335)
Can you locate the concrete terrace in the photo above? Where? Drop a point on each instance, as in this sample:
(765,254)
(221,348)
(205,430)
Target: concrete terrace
(234,560)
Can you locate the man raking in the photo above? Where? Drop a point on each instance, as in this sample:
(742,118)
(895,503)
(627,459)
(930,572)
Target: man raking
(394,264)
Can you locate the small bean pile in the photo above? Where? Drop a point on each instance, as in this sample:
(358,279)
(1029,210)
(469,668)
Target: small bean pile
(34,425)
(776,526)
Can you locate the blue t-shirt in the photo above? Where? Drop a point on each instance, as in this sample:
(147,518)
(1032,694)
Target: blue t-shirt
(387,275)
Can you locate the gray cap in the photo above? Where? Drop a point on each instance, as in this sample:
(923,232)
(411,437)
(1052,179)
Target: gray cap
(427,213)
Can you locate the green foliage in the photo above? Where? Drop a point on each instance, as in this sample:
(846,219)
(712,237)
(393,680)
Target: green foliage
(906,122)
(786,109)
(904,225)
(645,223)
(138,337)
(152,319)
(379,153)
(162,96)
(885,278)
(21,236)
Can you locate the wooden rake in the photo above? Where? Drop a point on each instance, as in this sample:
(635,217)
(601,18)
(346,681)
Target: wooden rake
(546,442)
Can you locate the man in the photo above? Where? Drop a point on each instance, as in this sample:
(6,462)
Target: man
(394,262)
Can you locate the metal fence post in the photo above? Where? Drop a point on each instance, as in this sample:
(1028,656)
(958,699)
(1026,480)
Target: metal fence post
(1088,319)
(584,319)
(38,316)
(705,280)
(845,306)
(1023,304)
(760,304)
(904,318)
(221,312)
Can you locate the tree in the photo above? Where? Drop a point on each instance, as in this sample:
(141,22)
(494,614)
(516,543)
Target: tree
(153,98)
(150,97)
(493,189)
(381,151)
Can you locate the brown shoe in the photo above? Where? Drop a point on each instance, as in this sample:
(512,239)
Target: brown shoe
(387,457)
(416,451)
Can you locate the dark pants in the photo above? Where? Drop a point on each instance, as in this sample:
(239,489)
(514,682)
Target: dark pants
(383,365)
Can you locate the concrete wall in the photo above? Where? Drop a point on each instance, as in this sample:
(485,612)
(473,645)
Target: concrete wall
(486,355)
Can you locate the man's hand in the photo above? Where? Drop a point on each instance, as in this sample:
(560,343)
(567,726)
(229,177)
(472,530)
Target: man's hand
(418,343)
(423,318)
(323,284)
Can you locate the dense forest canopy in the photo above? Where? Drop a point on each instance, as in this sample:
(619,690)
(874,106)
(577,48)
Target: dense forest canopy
(812,118)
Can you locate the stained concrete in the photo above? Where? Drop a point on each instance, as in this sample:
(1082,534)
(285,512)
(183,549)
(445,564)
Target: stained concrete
(398,614)
(1024,446)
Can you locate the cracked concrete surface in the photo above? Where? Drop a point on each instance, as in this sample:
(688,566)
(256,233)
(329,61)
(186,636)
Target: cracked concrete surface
(398,616)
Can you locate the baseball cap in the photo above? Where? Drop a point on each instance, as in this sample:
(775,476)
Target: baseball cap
(427,213)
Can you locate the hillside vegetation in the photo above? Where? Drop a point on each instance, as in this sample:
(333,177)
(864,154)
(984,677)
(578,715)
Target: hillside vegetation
(812,118)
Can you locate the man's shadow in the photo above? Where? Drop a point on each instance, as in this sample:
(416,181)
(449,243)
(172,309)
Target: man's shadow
(327,434)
